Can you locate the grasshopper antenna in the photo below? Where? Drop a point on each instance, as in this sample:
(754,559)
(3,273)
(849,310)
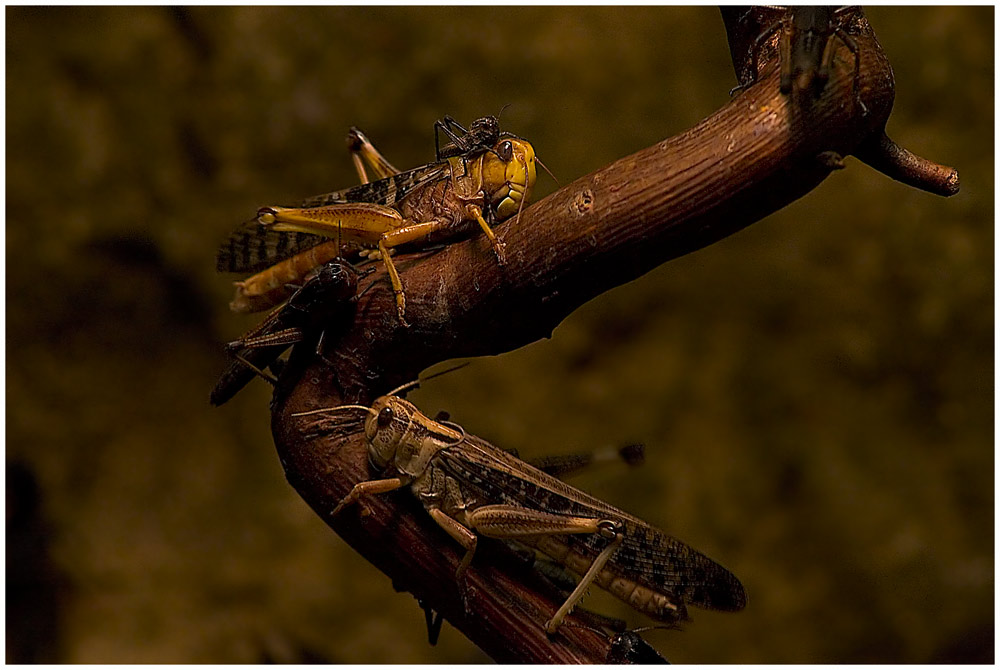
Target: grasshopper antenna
(447,371)
(520,208)
(416,382)
(457,428)
(334,409)
(500,113)
(547,170)
(395,391)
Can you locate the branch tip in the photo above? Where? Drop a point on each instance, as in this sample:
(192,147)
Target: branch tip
(896,162)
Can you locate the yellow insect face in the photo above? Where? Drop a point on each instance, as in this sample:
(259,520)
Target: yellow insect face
(509,175)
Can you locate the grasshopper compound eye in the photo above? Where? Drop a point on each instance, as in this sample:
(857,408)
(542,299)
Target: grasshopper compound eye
(506,151)
(385,417)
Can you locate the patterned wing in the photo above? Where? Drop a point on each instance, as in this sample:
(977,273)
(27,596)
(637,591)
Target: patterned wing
(648,556)
(253,247)
(387,192)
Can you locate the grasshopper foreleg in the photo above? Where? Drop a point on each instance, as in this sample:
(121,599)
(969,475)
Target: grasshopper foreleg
(475,212)
(369,488)
(785,57)
(856,51)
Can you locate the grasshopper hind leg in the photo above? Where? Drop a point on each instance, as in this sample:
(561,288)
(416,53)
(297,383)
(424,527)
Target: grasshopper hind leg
(552,625)
(362,152)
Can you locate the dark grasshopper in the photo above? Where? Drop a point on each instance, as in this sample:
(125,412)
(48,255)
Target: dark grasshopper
(474,188)
(806,47)
(471,488)
(627,647)
(326,297)
(482,134)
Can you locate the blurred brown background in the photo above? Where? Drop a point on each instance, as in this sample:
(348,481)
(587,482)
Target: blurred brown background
(815,393)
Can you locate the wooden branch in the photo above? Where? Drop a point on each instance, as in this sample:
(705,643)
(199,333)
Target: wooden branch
(889,158)
(758,153)
(744,25)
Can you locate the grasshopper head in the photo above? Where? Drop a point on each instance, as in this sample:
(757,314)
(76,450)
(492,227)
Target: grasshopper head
(326,291)
(399,435)
(508,175)
(386,428)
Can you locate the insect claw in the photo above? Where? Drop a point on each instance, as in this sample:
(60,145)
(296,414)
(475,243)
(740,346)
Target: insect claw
(401,308)
(831,160)
(463,593)
(498,249)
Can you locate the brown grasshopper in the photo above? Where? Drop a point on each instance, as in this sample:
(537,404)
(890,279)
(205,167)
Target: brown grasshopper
(561,466)
(471,489)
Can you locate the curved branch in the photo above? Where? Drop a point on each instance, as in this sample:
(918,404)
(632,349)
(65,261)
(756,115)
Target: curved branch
(755,155)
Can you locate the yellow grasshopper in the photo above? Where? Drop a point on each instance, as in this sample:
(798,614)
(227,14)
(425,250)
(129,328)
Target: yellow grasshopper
(471,489)
(472,186)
